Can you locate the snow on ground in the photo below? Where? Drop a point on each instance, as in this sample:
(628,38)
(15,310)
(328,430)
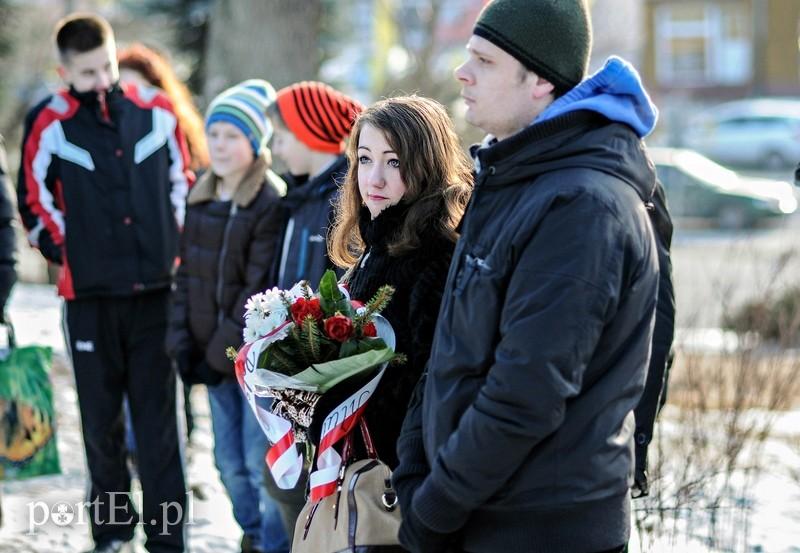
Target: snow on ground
(36,313)
(757,511)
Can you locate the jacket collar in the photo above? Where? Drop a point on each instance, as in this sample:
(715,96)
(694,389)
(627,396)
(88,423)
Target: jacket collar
(320,185)
(246,192)
(380,232)
(90,97)
(576,139)
(377,233)
(544,136)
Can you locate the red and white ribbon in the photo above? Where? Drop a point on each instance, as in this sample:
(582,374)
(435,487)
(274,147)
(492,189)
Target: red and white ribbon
(284,460)
(338,424)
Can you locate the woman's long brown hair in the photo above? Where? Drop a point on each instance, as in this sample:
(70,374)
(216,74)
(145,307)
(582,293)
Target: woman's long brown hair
(158,72)
(435,169)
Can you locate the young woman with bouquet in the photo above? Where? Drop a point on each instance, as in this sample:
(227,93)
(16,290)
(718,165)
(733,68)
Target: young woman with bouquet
(404,194)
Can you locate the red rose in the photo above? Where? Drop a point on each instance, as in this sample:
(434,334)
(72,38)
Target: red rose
(302,308)
(338,328)
(369,330)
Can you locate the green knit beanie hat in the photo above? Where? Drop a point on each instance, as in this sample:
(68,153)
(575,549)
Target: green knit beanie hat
(552,38)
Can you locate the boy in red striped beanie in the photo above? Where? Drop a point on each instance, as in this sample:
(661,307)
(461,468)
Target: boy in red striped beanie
(317,115)
(311,123)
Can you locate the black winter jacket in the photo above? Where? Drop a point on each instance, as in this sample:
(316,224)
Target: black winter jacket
(227,255)
(541,347)
(418,278)
(102,188)
(8,238)
(309,208)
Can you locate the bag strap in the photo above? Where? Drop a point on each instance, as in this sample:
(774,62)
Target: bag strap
(348,447)
(368,443)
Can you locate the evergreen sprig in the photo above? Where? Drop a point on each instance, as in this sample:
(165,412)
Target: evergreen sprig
(311,338)
(374,306)
(296,336)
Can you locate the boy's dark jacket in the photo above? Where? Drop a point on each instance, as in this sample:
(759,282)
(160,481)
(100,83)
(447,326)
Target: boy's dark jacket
(541,347)
(116,176)
(227,255)
(309,215)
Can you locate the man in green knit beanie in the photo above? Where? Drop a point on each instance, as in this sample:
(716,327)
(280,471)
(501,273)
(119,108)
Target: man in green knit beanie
(519,438)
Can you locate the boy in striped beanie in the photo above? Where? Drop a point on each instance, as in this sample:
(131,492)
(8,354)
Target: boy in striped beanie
(232,231)
(312,122)
(317,116)
(245,107)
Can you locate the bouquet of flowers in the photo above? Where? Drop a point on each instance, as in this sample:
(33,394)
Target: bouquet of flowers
(297,346)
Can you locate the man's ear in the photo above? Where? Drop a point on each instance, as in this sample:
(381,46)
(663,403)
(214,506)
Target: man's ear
(542,88)
(62,71)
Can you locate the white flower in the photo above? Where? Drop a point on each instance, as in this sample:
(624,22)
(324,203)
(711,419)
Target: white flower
(250,335)
(274,302)
(265,325)
(282,333)
(255,305)
(266,313)
(266,305)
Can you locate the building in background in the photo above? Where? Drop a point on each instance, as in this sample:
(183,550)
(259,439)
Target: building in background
(723,49)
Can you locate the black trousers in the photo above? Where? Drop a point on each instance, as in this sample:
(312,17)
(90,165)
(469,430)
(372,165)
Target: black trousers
(117,348)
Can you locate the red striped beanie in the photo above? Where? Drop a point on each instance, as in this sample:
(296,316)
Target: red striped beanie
(319,116)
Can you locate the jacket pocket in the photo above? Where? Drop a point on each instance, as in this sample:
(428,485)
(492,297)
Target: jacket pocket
(473,266)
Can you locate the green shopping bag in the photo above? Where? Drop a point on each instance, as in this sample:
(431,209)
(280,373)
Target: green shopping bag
(27,421)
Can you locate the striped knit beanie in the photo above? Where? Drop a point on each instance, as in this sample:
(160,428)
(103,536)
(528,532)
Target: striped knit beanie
(244,105)
(552,38)
(319,116)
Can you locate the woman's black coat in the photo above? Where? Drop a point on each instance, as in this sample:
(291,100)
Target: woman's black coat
(418,278)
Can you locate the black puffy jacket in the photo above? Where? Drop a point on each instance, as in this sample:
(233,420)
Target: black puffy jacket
(102,189)
(418,278)
(227,254)
(541,348)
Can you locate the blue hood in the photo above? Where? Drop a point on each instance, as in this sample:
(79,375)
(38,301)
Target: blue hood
(616,92)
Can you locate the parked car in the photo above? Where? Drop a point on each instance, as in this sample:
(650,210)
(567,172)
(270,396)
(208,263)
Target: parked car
(762,132)
(699,188)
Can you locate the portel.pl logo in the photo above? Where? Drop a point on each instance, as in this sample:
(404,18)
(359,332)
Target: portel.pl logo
(117,511)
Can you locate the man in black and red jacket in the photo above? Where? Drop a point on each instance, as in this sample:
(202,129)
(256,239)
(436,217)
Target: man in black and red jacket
(102,188)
